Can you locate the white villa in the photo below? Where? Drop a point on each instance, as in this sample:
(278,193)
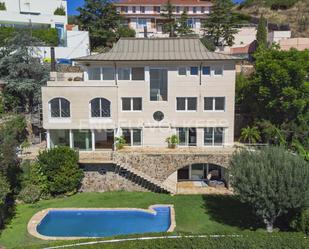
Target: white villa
(39,14)
(146,90)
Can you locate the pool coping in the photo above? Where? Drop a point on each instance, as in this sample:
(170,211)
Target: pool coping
(39,216)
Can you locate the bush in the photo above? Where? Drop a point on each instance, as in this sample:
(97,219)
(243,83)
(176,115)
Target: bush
(272,180)
(30,194)
(60,167)
(4,189)
(47,36)
(60,11)
(304,221)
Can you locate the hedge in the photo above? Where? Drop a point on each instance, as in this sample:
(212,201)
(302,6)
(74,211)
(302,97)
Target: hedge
(255,240)
(48,36)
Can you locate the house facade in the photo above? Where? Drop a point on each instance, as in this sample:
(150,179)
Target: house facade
(143,15)
(145,90)
(37,14)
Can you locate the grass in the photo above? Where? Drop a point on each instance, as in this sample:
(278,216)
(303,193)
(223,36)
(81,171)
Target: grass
(195,214)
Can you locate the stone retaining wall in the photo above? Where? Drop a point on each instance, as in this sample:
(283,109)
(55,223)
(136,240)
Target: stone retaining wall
(102,178)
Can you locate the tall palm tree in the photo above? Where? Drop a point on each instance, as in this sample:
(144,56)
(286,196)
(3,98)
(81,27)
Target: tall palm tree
(250,134)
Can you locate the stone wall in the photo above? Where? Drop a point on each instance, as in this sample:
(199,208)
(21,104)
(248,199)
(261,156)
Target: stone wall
(102,178)
(161,166)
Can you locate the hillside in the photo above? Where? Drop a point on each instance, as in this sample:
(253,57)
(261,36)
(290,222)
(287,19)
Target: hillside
(296,16)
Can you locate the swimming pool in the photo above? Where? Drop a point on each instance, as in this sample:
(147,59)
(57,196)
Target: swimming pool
(87,223)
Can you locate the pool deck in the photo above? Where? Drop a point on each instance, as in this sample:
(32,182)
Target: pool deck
(39,216)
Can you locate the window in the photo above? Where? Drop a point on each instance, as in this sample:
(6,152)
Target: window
(82,139)
(186,104)
(108,73)
(59,108)
(100,108)
(187,136)
(124,9)
(123,73)
(194,70)
(94,73)
(214,103)
(134,9)
(133,137)
(194,9)
(157,9)
(131,104)
(142,9)
(138,73)
(158,85)
(202,9)
(206,70)
(158,116)
(191,23)
(59,138)
(218,70)
(141,23)
(182,71)
(213,136)
(177,9)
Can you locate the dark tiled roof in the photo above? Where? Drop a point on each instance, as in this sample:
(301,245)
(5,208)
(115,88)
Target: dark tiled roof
(157,49)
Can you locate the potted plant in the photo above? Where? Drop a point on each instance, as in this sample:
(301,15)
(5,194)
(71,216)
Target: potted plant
(120,142)
(172,141)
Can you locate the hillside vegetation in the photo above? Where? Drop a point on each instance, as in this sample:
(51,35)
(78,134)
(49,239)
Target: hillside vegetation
(292,12)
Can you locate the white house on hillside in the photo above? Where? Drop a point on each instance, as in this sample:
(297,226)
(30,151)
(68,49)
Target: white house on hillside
(39,14)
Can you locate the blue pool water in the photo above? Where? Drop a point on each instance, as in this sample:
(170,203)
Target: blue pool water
(103,223)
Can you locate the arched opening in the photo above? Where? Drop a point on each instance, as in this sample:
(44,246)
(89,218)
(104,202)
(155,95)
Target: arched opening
(199,175)
(59,108)
(100,108)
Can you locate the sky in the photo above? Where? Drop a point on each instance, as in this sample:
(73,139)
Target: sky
(73,4)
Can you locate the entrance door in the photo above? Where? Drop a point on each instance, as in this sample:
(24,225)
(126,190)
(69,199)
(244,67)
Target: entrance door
(158,84)
(104,139)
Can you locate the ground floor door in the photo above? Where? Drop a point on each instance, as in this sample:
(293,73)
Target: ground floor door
(104,139)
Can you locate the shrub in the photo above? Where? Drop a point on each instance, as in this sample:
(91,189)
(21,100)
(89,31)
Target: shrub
(273,181)
(30,194)
(47,36)
(60,167)
(304,221)
(60,11)
(4,189)
(2,6)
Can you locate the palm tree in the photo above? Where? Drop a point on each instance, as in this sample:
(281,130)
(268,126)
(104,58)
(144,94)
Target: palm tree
(250,134)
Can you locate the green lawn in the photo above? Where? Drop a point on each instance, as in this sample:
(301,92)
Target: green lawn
(195,214)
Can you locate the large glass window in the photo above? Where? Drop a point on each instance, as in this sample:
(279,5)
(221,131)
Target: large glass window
(59,108)
(187,136)
(182,71)
(94,73)
(59,138)
(124,73)
(213,136)
(108,73)
(206,70)
(82,139)
(214,103)
(133,137)
(138,73)
(100,108)
(131,104)
(186,104)
(158,84)
(218,70)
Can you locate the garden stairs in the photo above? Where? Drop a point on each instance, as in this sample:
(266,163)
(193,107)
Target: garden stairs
(125,170)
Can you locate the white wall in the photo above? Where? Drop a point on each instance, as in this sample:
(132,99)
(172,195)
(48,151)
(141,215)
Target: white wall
(39,11)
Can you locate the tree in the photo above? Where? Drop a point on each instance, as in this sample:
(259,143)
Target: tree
(23,72)
(220,23)
(183,29)
(272,180)
(250,134)
(168,13)
(103,22)
(278,92)
(261,35)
